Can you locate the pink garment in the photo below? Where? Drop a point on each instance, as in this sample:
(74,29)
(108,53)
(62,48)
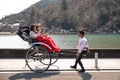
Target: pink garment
(49,41)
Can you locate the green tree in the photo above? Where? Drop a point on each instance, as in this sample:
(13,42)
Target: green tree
(31,16)
(64,5)
(64,15)
(34,16)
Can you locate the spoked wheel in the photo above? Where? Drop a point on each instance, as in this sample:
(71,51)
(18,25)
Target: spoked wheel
(54,57)
(38,59)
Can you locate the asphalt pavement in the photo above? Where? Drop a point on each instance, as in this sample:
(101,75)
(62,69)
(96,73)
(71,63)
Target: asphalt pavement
(107,69)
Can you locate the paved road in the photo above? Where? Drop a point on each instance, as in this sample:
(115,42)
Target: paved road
(62,64)
(108,69)
(62,75)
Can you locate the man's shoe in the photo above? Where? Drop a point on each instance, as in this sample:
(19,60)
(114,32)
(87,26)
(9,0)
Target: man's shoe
(73,67)
(82,71)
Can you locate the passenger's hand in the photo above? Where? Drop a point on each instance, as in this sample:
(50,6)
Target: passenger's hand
(45,34)
(39,34)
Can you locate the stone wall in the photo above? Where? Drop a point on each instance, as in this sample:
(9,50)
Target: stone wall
(68,53)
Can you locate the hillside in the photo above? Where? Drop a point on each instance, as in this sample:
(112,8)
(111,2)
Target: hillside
(102,16)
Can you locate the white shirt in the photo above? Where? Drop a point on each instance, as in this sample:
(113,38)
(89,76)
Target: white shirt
(33,34)
(82,44)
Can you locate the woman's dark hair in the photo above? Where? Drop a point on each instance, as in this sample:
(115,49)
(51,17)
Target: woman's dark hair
(82,32)
(32,27)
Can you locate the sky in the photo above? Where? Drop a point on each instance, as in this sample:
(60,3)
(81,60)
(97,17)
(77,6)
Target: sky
(8,7)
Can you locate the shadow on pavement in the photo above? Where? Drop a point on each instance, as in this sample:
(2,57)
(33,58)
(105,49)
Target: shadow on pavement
(29,76)
(85,76)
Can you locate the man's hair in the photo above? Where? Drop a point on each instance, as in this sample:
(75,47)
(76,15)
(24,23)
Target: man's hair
(82,32)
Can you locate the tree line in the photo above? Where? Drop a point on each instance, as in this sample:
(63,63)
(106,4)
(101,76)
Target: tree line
(72,15)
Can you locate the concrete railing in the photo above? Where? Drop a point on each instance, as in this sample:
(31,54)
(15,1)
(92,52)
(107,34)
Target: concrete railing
(68,53)
(102,53)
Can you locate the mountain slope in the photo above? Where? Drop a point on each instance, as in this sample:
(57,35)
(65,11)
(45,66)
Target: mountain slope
(88,15)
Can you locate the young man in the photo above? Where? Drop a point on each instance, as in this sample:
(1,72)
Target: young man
(82,47)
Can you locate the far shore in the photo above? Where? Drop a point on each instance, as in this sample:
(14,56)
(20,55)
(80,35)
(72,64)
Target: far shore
(7,33)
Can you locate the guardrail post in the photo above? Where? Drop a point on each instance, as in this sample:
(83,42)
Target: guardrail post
(96,60)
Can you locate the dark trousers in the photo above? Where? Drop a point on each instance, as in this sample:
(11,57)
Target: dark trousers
(78,60)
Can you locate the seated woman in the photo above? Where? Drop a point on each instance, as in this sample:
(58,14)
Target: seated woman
(37,33)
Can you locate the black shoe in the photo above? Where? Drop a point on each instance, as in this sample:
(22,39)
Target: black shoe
(82,70)
(73,67)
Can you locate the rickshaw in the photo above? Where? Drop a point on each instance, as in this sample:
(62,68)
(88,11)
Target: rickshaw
(38,59)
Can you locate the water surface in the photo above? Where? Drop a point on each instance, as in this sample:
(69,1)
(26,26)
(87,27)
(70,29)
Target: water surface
(65,41)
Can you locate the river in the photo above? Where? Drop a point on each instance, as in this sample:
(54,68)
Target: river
(65,41)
